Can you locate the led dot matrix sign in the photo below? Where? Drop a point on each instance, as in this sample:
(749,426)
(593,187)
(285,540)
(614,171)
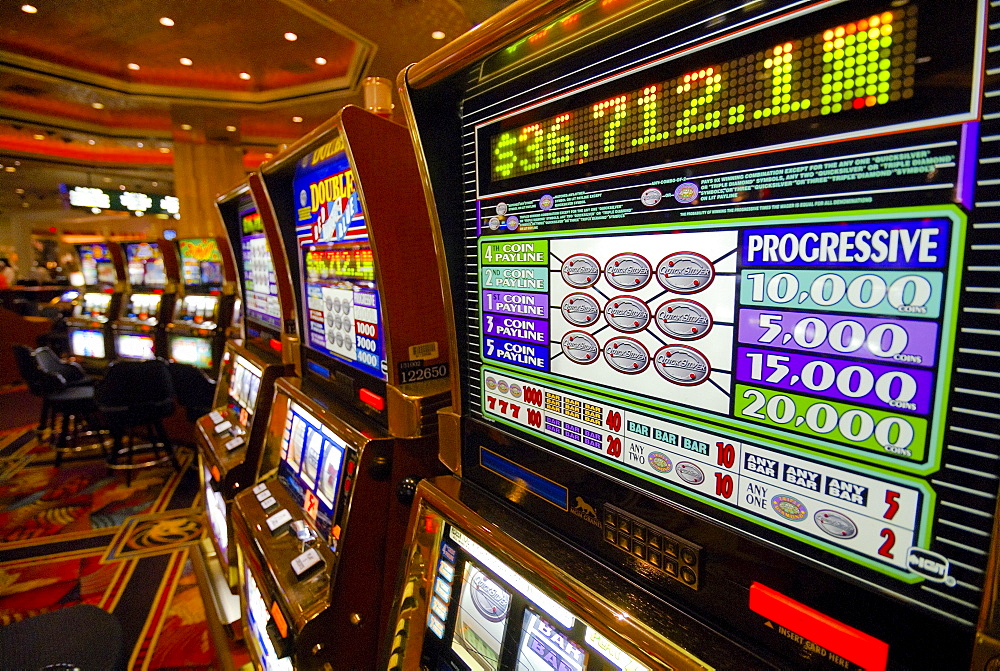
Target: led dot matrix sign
(846,67)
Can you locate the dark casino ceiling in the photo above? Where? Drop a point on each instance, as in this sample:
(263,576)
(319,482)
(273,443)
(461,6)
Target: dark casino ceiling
(92,85)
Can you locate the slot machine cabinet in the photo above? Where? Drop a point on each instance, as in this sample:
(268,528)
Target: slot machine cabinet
(669,231)
(204,309)
(231,437)
(152,271)
(315,602)
(373,357)
(370,312)
(90,335)
(484,588)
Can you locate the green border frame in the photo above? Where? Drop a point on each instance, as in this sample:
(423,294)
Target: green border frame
(743,430)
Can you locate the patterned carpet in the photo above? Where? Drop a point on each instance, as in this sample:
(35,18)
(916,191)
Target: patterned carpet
(78,534)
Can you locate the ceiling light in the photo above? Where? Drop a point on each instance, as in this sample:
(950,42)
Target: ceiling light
(139,144)
(18,191)
(268,155)
(244,75)
(297,119)
(95,210)
(231,129)
(97,106)
(107,180)
(164,150)
(91,141)
(155,183)
(121,187)
(437,35)
(185,126)
(38,136)
(29,9)
(133,66)
(186,61)
(166,21)
(10,168)
(320,61)
(291,37)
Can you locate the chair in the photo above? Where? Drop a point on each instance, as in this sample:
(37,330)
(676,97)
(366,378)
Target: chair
(69,407)
(81,636)
(71,371)
(136,394)
(195,390)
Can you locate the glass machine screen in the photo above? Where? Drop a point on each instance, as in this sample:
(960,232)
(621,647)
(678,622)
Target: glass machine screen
(490,612)
(201,262)
(135,347)
(260,290)
(87,343)
(244,384)
(96,265)
(258,616)
(215,507)
(145,265)
(312,459)
(727,266)
(194,351)
(341,310)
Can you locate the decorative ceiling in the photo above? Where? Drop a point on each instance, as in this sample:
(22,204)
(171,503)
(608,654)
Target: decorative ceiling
(96,86)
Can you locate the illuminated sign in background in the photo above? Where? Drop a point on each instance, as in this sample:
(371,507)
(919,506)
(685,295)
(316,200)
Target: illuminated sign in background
(866,63)
(91,198)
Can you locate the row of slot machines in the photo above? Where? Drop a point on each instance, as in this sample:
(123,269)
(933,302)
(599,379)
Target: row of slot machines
(661,337)
(158,298)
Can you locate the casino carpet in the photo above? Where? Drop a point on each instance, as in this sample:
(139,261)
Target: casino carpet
(78,534)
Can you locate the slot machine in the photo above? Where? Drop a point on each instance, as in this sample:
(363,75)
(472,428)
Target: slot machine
(148,303)
(231,437)
(90,336)
(197,333)
(725,310)
(319,545)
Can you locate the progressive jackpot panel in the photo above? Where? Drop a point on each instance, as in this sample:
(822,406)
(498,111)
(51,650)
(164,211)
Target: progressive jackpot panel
(731,261)
(698,325)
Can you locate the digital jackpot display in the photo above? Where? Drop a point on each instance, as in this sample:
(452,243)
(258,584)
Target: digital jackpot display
(145,264)
(727,268)
(341,313)
(201,262)
(312,460)
(260,289)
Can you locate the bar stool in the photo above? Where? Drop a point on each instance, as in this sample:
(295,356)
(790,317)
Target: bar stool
(134,395)
(71,408)
(195,390)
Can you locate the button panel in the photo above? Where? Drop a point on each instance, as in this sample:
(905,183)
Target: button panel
(656,548)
